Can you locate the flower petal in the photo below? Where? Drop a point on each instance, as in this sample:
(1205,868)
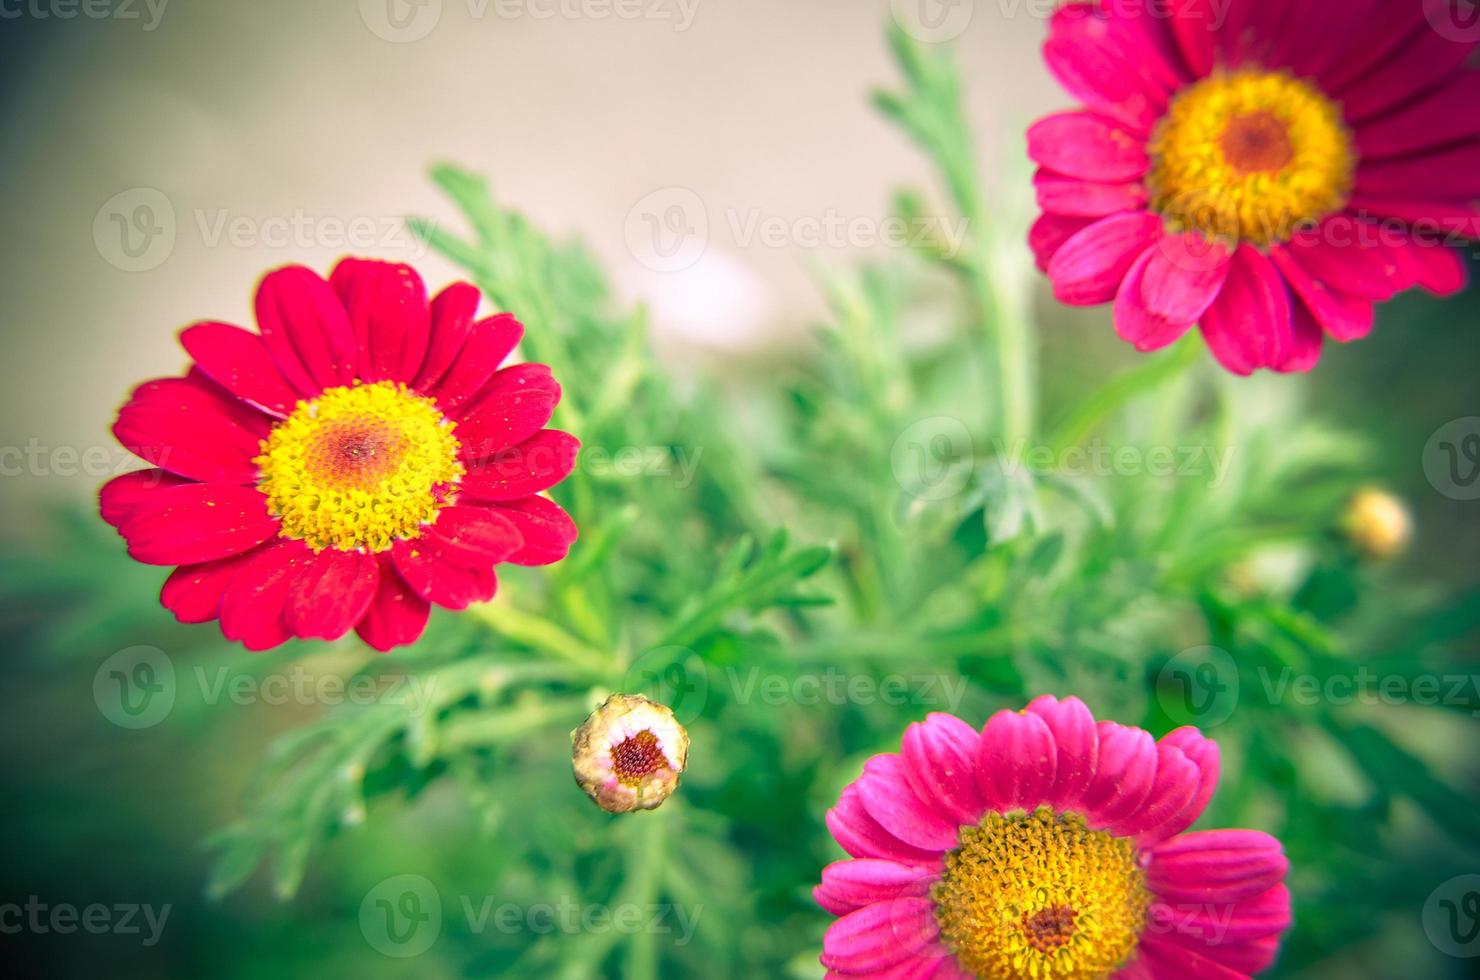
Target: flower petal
(439,576)
(252,606)
(453,313)
(1090,267)
(1343,317)
(1218,866)
(1081,144)
(1124,776)
(852,884)
(491,341)
(940,764)
(238,361)
(306,330)
(330,593)
(1017,762)
(1049,232)
(547,530)
(397,616)
(881,935)
(885,792)
(121,496)
(517,403)
(1078,743)
(192,428)
(1249,325)
(474,536)
(193,592)
(861,836)
(197,522)
(1075,198)
(387,307)
(536,464)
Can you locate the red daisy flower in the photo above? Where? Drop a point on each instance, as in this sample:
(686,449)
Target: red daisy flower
(1267,169)
(1046,847)
(360,457)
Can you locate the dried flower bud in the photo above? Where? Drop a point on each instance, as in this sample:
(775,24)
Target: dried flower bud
(629,753)
(1377,523)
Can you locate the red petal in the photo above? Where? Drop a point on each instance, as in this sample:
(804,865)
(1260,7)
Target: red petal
(492,341)
(306,330)
(475,537)
(197,522)
(536,464)
(1049,233)
(123,495)
(1080,144)
(1089,268)
(1343,317)
(547,530)
(1248,326)
(190,427)
(1073,197)
(252,606)
(452,314)
(387,306)
(516,404)
(193,592)
(238,361)
(397,616)
(439,577)
(330,593)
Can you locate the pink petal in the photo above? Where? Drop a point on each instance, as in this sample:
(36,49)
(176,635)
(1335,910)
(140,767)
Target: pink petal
(1134,321)
(1450,114)
(387,307)
(1306,341)
(1203,753)
(1217,866)
(1081,144)
(306,330)
(453,312)
(193,592)
(1075,198)
(1078,743)
(1016,763)
(536,464)
(1420,64)
(1096,60)
(881,935)
(885,793)
(1124,776)
(861,836)
(516,404)
(330,593)
(1166,958)
(1352,256)
(238,361)
(1249,325)
(197,522)
(1439,269)
(1343,317)
(1452,174)
(252,606)
(852,884)
(1252,957)
(1049,232)
(491,341)
(1169,802)
(940,764)
(192,428)
(1184,276)
(122,496)
(1090,267)
(547,530)
(397,616)
(1193,24)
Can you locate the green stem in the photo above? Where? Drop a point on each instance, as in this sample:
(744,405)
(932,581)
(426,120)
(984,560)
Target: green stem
(542,635)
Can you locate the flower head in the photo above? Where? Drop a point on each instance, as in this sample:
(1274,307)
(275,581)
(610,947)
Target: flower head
(1267,177)
(1046,847)
(1377,523)
(629,753)
(358,458)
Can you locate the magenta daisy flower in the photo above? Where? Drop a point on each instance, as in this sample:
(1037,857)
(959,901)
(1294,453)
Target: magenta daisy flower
(1046,847)
(360,458)
(1266,169)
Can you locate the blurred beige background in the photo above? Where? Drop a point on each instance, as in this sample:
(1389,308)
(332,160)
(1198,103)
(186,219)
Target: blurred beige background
(160,156)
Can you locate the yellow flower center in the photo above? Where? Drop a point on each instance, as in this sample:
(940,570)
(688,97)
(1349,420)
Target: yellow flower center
(1039,896)
(359,467)
(1250,157)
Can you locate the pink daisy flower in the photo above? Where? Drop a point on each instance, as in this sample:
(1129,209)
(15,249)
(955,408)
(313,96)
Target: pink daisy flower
(1266,169)
(359,458)
(1046,847)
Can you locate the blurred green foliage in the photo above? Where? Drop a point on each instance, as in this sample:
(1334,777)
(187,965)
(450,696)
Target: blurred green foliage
(806,562)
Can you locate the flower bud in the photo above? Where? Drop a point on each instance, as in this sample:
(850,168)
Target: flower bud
(629,753)
(1377,523)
